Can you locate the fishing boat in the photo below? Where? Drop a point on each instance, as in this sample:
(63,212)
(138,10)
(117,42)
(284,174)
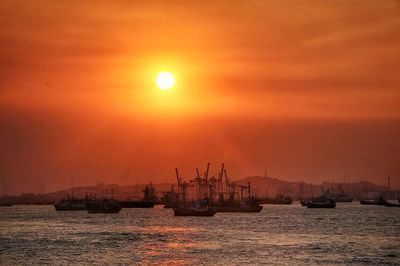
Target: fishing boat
(327,203)
(199,208)
(304,202)
(103,206)
(378,201)
(148,201)
(71,204)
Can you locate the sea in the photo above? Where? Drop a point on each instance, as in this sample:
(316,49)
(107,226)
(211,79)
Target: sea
(350,234)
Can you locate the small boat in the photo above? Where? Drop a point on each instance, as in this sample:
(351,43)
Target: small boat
(328,203)
(71,204)
(148,201)
(199,208)
(304,202)
(103,206)
(377,201)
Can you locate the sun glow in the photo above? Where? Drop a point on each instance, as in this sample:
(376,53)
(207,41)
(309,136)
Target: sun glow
(165,80)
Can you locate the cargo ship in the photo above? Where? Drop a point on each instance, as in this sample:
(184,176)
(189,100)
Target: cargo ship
(222,196)
(183,208)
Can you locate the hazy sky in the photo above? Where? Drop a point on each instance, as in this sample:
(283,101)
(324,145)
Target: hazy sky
(309,90)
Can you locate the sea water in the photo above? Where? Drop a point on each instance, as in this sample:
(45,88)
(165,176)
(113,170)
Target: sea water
(279,234)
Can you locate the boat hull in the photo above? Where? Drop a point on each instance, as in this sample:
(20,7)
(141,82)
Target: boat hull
(136,204)
(104,210)
(103,206)
(70,208)
(343,199)
(193,212)
(330,204)
(277,202)
(71,205)
(371,202)
(238,208)
(320,206)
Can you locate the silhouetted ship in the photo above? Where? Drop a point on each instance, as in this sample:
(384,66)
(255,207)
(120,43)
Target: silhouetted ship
(323,201)
(325,204)
(378,201)
(184,208)
(199,208)
(228,199)
(71,204)
(339,196)
(250,205)
(170,198)
(279,199)
(193,211)
(135,204)
(103,206)
(209,188)
(312,199)
(5,204)
(148,201)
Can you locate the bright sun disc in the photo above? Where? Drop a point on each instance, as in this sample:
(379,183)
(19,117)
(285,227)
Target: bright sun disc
(165,80)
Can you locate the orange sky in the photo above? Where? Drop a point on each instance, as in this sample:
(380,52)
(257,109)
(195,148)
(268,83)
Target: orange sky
(308,89)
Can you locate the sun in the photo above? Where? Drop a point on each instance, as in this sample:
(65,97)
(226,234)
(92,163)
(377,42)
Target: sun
(165,80)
